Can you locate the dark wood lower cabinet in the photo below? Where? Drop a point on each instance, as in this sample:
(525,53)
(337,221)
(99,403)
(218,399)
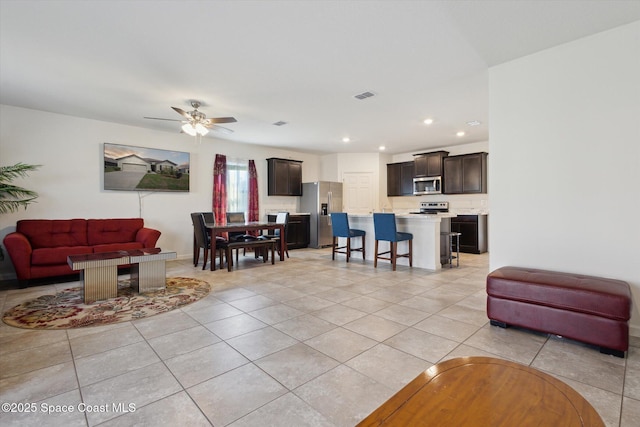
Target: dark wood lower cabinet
(473,229)
(297,232)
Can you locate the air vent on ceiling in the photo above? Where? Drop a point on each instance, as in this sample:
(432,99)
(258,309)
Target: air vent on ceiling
(280,123)
(363,95)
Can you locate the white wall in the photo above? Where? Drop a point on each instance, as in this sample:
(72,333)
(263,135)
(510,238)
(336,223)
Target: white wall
(69,182)
(564,170)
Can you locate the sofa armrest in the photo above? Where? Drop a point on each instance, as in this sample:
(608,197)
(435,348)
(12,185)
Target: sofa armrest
(19,249)
(148,237)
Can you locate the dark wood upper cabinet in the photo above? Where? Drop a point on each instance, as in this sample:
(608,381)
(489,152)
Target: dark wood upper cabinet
(400,179)
(465,174)
(285,177)
(429,164)
(393,179)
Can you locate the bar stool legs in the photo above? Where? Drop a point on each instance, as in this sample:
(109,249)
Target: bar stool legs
(450,236)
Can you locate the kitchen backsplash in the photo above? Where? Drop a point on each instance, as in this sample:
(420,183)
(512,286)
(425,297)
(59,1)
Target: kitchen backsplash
(280,204)
(460,204)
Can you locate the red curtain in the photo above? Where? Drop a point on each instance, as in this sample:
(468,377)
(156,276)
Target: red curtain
(254,206)
(220,188)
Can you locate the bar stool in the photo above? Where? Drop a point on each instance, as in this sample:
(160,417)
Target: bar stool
(450,235)
(340,228)
(384,225)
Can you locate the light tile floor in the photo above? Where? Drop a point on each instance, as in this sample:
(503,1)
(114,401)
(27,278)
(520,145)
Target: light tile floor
(307,342)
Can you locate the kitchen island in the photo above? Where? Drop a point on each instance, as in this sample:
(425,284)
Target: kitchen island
(426,237)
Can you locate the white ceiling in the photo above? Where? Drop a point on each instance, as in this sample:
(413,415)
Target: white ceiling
(301,62)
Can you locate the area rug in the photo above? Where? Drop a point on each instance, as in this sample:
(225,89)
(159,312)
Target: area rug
(66,309)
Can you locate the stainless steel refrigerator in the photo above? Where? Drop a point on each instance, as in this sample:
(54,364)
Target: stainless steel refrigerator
(320,199)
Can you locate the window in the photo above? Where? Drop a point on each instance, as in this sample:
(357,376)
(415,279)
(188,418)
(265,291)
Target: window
(237,185)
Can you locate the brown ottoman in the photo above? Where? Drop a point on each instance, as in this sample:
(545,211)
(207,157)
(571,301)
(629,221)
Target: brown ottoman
(590,309)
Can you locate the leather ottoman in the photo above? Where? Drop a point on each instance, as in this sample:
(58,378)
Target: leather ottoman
(590,309)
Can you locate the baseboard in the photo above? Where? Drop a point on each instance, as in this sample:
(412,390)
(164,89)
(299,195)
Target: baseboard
(7,276)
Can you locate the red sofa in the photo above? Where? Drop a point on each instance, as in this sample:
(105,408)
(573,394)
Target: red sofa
(39,247)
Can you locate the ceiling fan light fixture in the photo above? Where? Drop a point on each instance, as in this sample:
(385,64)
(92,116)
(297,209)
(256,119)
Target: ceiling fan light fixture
(201,129)
(195,123)
(189,129)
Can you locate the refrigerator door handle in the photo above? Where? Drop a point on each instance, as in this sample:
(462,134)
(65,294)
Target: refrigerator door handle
(330,195)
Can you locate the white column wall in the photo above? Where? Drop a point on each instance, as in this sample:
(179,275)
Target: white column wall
(564,170)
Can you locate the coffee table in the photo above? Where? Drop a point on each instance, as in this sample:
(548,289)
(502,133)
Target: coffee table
(148,269)
(99,271)
(484,391)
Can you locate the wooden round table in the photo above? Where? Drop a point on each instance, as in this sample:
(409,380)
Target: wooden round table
(483,391)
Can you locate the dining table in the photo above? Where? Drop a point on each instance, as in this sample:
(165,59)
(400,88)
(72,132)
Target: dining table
(224,227)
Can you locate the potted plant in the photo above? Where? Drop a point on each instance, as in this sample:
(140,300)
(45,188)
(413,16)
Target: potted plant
(13,197)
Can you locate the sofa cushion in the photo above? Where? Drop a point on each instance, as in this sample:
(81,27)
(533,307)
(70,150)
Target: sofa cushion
(48,233)
(52,256)
(116,230)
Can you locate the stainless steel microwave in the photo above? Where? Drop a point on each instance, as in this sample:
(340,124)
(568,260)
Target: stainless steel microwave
(427,185)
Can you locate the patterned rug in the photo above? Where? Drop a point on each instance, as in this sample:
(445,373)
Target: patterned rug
(66,309)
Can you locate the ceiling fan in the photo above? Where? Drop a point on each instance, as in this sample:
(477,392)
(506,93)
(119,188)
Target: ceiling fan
(196,122)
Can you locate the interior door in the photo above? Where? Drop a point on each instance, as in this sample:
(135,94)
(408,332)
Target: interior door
(358,192)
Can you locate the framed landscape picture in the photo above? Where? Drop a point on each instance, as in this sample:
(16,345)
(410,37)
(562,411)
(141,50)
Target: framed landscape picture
(132,168)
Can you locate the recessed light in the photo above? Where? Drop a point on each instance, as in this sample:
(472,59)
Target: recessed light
(474,123)
(428,121)
(461,133)
(346,139)
(381,148)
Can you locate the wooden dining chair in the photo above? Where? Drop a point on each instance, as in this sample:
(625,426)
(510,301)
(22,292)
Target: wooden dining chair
(202,239)
(281,218)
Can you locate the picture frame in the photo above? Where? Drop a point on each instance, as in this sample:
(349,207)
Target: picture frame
(131,168)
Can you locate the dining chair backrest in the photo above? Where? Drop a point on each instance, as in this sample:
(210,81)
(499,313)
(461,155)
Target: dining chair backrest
(340,224)
(209,218)
(384,225)
(199,230)
(235,217)
(282,218)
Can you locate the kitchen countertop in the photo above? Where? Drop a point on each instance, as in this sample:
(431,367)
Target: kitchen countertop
(421,217)
(290,213)
(471,211)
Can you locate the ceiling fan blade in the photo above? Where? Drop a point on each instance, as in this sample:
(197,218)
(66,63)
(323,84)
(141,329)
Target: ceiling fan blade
(158,118)
(223,120)
(221,129)
(182,112)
